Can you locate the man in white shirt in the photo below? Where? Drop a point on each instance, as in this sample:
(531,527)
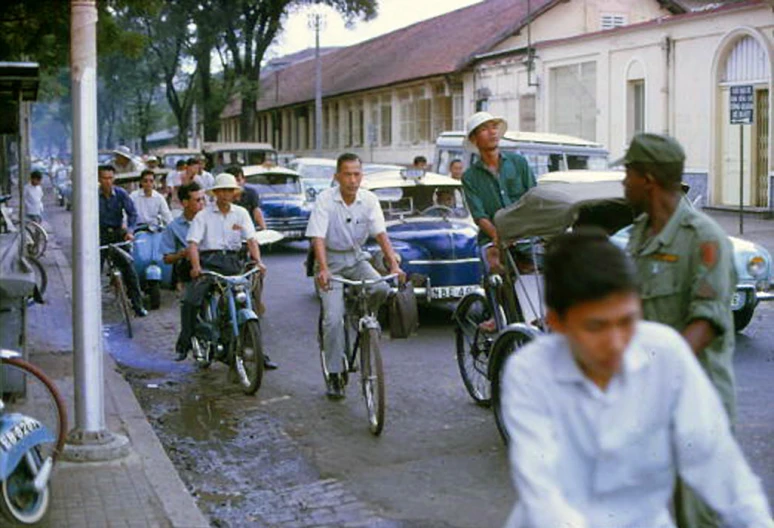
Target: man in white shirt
(605,412)
(33,197)
(342,220)
(203,177)
(214,241)
(151,205)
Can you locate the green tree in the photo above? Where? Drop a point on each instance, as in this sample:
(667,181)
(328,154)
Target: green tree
(250,27)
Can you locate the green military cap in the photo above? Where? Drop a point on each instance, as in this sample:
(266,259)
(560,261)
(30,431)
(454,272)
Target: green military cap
(652,148)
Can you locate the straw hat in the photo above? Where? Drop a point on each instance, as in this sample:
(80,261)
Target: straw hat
(475,121)
(225,181)
(123,151)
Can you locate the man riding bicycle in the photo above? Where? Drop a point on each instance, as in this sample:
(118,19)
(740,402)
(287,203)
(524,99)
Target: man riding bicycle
(342,220)
(214,242)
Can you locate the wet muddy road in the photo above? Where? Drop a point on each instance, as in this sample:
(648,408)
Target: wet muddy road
(289,457)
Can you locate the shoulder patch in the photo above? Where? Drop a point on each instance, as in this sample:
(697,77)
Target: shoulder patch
(709,252)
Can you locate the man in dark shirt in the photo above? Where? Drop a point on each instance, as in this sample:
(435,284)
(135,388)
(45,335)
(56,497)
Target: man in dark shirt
(248,198)
(113,203)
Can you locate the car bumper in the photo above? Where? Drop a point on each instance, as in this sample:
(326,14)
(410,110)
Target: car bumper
(440,294)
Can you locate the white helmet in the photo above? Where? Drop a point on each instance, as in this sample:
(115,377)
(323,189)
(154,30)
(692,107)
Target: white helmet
(475,121)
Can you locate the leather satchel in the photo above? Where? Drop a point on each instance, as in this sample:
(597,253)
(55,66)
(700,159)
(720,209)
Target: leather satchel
(404,316)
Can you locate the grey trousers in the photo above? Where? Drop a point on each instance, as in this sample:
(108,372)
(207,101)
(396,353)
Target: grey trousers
(350,267)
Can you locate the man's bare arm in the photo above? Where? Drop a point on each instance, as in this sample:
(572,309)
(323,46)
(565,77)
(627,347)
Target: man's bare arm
(699,333)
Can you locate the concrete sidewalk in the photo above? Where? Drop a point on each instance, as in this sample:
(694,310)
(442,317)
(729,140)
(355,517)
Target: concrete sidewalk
(140,490)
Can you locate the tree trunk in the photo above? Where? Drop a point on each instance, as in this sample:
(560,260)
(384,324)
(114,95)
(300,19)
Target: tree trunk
(248,115)
(209,105)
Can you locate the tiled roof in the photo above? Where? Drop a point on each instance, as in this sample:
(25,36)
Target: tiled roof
(437,46)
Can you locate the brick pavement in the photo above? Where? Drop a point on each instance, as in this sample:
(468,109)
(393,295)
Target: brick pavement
(140,490)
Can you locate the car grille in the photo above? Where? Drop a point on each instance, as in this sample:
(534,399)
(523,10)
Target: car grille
(288,223)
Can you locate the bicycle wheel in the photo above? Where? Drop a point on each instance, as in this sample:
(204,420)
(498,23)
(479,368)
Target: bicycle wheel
(249,357)
(473,345)
(38,397)
(123,301)
(35,239)
(372,379)
(41,277)
(506,345)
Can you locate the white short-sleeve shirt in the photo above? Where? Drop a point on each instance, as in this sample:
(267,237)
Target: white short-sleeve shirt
(212,230)
(345,227)
(149,208)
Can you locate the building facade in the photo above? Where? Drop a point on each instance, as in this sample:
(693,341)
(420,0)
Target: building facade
(602,70)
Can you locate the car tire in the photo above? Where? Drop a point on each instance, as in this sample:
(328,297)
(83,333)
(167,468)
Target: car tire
(743,315)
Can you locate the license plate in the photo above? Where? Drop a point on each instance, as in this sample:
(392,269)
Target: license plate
(293,234)
(451,292)
(738,299)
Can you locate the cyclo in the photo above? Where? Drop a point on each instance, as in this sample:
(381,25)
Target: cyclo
(514,299)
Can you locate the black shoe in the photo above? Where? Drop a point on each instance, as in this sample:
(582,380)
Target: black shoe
(335,387)
(181,355)
(268,364)
(139,311)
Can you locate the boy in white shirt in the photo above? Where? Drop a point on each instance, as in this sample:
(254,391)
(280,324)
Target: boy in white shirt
(150,204)
(33,197)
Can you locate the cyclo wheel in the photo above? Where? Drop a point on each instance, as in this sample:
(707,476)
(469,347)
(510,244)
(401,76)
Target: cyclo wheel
(123,301)
(40,399)
(248,359)
(473,346)
(507,343)
(372,379)
(36,239)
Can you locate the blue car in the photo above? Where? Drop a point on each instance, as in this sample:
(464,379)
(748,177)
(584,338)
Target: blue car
(431,229)
(283,200)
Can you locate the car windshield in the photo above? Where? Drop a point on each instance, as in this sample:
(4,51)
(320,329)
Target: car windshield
(422,201)
(170,160)
(316,172)
(241,157)
(275,184)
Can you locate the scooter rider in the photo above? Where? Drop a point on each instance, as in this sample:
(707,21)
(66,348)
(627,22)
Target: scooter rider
(214,240)
(343,218)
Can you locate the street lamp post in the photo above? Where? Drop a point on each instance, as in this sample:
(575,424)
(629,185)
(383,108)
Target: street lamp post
(89,440)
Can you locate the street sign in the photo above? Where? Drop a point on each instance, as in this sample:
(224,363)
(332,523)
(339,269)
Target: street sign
(742,104)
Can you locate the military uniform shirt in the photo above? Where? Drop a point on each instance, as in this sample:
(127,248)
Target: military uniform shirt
(686,272)
(487,193)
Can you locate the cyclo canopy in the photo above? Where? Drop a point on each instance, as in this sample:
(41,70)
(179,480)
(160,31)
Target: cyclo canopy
(551,207)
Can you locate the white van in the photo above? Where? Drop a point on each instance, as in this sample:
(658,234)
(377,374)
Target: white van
(545,152)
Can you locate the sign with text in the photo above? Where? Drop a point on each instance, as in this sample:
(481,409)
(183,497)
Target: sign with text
(742,104)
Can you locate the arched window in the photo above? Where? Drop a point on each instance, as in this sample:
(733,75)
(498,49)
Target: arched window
(747,62)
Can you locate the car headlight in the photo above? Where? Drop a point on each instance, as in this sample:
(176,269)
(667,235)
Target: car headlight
(756,266)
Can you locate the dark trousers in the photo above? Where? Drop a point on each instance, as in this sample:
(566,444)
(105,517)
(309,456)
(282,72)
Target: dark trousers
(132,281)
(196,291)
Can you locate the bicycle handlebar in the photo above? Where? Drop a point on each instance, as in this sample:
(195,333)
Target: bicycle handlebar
(117,244)
(363,282)
(231,277)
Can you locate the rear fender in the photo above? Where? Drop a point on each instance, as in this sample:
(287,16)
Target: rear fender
(501,353)
(463,302)
(19,434)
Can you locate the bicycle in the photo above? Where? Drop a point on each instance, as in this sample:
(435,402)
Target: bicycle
(229,330)
(116,280)
(33,428)
(35,236)
(359,319)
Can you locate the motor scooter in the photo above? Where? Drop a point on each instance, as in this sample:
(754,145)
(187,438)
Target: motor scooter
(149,261)
(24,471)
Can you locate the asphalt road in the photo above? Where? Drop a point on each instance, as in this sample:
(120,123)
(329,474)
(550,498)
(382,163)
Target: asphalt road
(439,461)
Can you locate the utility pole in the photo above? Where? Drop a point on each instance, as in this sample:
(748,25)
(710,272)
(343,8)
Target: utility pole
(316,20)
(89,440)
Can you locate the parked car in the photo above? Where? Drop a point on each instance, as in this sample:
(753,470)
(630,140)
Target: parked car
(545,152)
(169,156)
(753,262)
(283,199)
(431,229)
(221,155)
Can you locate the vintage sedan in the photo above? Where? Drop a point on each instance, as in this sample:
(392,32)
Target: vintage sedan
(316,174)
(752,261)
(431,229)
(283,201)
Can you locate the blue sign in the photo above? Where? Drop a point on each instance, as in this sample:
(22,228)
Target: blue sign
(742,104)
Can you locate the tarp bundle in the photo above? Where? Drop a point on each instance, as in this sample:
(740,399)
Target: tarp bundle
(552,207)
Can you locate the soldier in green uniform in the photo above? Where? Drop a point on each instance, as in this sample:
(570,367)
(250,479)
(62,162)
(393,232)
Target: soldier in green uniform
(685,267)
